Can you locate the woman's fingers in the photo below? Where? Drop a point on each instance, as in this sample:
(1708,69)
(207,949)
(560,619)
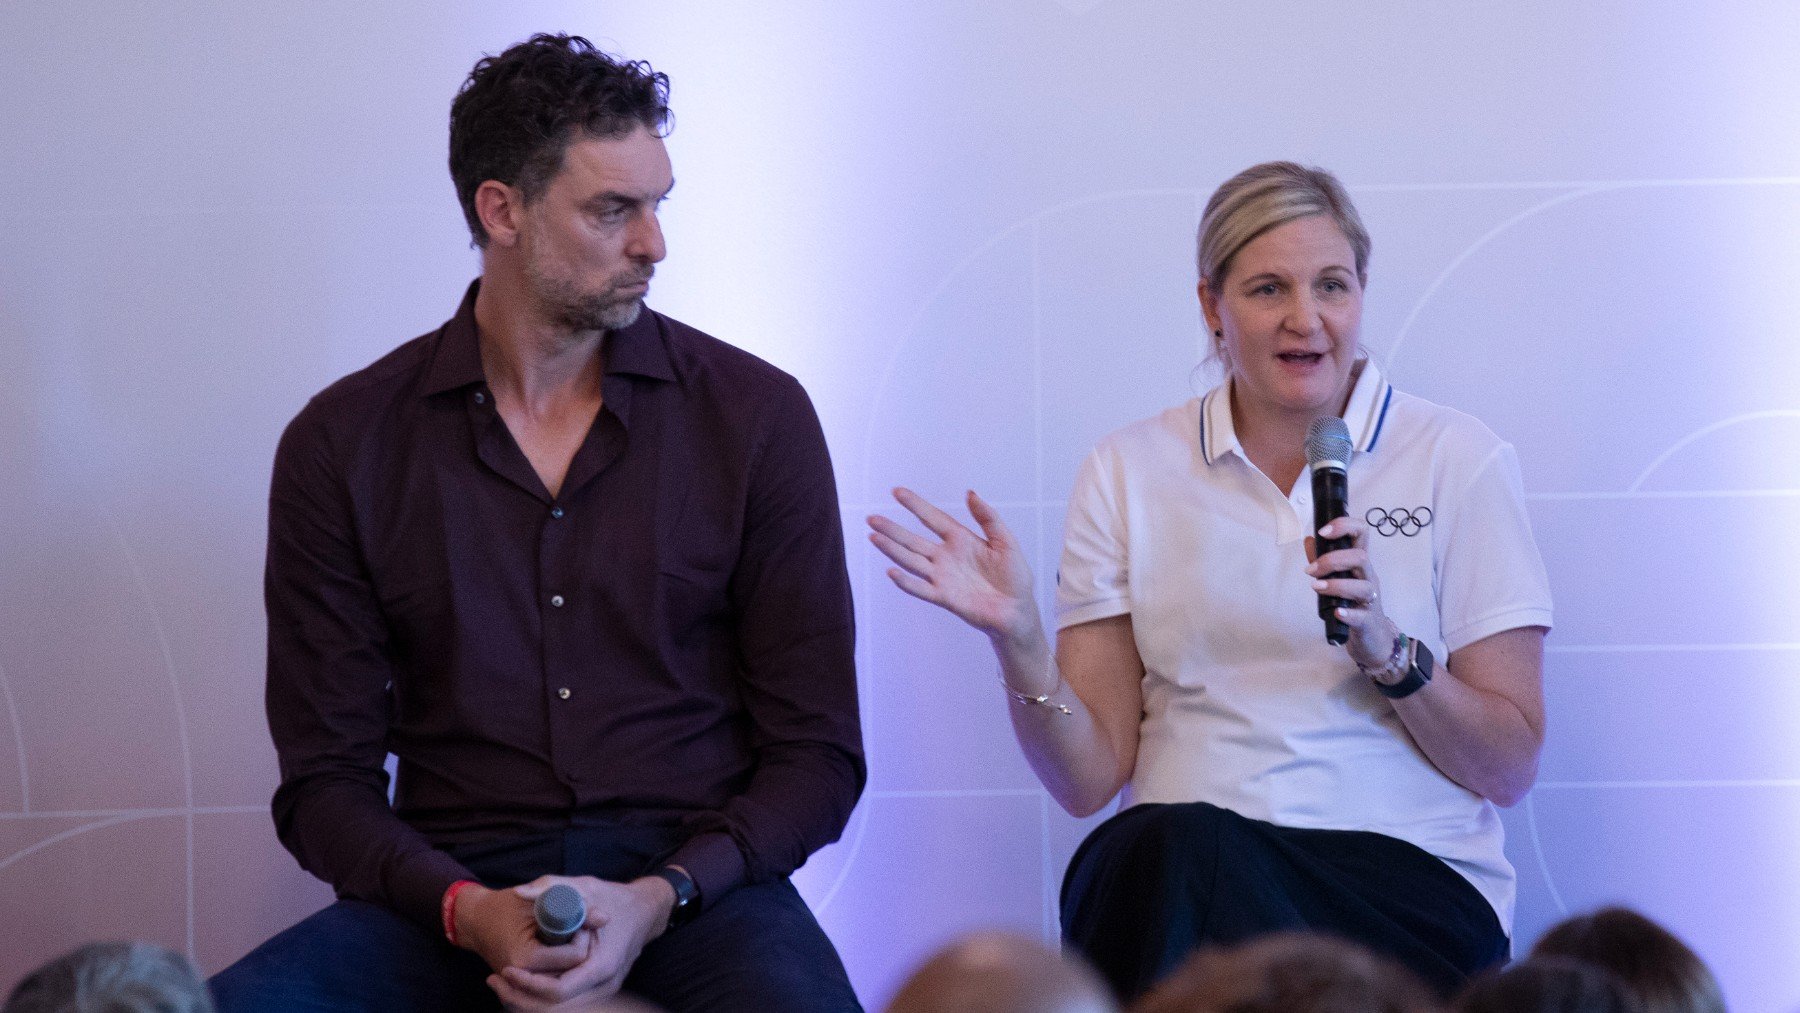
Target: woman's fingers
(991,525)
(913,562)
(911,540)
(1353,561)
(1360,593)
(1355,527)
(937,521)
(917,587)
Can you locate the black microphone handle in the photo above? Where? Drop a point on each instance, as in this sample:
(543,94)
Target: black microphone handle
(1331,500)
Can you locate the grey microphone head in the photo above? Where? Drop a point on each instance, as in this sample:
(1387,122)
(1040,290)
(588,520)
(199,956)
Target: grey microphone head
(560,914)
(1328,443)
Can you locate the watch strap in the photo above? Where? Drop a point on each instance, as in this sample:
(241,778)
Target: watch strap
(1418,672)
(687,894)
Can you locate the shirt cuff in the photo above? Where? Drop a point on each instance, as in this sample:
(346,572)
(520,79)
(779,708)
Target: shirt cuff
(1087,612)
(1498,622)
(715,864)
(419,885)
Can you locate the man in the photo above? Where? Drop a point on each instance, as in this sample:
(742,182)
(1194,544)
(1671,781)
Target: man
(580,568)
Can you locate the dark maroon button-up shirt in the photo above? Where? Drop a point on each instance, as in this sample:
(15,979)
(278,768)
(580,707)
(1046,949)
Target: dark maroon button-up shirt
(669,640)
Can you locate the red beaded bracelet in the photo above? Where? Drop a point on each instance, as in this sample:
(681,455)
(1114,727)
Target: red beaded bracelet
(450,908)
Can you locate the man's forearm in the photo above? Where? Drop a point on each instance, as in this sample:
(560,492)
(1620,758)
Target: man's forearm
(344,832)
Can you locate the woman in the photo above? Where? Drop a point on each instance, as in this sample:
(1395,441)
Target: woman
(1273,780)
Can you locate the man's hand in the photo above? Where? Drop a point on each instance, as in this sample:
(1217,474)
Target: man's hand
(622,917)
(499,925)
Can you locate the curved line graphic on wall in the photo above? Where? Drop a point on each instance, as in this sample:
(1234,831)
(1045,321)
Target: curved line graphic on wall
(18,731)
(175,698)
(1702,433)
(56,839)
(1543,862)
(861,818)
(1577,191)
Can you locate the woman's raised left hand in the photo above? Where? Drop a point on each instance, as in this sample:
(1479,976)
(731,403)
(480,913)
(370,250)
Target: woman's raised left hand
(1372,633)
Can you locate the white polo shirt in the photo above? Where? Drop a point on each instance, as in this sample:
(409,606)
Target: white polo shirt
(1245,704)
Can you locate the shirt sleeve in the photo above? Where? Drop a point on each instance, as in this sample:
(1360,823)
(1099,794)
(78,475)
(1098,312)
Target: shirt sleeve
(327,693)
(1490,576)
(1092,581)
(790,595)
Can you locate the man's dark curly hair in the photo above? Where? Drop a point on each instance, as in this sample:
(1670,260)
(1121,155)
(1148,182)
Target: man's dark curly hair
(517,113)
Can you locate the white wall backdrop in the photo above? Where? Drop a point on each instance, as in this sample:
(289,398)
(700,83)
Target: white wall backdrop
(967,227)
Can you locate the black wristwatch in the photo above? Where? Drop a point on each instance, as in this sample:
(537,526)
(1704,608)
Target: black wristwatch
(687,895)
(1418,672)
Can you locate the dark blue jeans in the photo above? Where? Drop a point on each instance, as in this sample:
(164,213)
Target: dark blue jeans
(756,948)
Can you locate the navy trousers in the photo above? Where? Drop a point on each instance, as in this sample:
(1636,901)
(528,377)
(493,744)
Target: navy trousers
(756,948)
(1156,882)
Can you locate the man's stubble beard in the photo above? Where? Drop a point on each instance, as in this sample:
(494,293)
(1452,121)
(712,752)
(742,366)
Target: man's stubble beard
(586,312)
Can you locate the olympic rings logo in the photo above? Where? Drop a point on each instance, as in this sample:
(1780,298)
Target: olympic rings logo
(1398,521)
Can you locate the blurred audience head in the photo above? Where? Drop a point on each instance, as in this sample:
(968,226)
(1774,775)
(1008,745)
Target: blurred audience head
(1547,985)
(1666,976)
(1002,972)
(113,978)
(1290,972)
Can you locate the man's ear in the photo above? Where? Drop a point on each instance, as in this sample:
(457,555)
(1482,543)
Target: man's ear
(501,209)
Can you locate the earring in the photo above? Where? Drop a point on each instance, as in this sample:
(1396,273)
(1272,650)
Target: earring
(1219,333)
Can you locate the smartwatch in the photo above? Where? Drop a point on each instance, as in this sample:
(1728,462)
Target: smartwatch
(1418,672)
(687,895)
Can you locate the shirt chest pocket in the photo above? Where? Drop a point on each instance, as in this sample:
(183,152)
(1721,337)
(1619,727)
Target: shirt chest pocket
(697,554)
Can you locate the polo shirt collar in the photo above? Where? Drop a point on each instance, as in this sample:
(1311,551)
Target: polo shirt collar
(637,349)
(1364,415)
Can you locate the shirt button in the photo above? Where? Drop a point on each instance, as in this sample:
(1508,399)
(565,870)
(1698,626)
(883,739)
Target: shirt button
(563,693)
(556,600)
(556,512)
(480,398)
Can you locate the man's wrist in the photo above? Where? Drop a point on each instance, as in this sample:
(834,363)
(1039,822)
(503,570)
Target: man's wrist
(685,902)
(458,898)
(662,902)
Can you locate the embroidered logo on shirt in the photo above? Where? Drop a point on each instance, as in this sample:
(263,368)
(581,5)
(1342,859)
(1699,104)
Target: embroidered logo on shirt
(1399,521)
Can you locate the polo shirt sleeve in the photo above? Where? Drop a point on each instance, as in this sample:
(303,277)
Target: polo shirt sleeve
(1092,581)
(1490,576)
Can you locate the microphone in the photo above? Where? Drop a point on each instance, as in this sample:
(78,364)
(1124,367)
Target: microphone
(560,913)
(1328,458)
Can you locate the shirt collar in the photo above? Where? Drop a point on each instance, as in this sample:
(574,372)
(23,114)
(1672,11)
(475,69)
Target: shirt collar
(637,348)
(1364,415)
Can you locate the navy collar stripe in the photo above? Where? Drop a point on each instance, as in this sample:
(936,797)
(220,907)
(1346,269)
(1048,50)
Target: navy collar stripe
(1387,398)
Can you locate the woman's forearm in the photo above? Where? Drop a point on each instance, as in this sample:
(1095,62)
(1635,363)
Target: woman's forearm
(1081,740)
(1480,720)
